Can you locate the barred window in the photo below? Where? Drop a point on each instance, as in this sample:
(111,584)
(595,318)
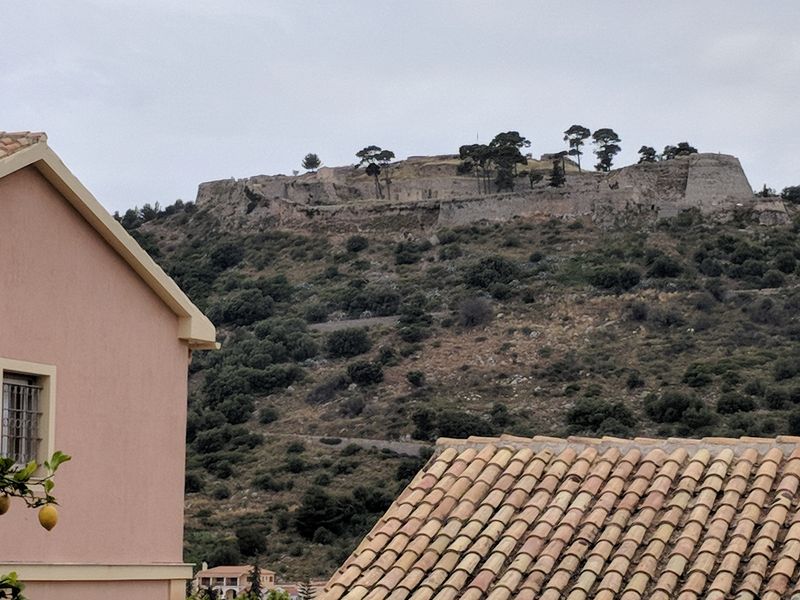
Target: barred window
(19,417)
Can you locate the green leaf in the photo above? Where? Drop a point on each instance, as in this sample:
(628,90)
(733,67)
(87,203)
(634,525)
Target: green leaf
(25,473)
(58,458)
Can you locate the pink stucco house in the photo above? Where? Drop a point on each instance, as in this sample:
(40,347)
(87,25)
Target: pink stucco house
(95,341)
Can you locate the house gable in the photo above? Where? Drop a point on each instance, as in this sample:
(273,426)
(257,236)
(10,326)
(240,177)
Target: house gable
(18,151)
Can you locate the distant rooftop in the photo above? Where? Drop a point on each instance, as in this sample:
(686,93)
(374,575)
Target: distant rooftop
(13,141)
(230,570)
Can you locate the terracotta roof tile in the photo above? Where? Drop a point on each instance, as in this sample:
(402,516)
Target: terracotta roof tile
(580,518)
(14,141)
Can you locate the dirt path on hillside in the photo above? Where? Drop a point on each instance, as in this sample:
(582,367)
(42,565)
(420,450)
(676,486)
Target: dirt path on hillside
(407,448)
(336,325)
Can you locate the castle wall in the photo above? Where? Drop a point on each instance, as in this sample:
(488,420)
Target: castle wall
(425,192)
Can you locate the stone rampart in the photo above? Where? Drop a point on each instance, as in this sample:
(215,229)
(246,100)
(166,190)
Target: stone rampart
(426,192)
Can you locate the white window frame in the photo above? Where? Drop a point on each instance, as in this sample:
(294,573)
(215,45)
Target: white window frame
(46,378)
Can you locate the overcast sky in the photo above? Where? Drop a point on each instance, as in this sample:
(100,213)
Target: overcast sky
(144,99)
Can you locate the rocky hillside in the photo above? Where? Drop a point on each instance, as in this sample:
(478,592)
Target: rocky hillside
(684,326)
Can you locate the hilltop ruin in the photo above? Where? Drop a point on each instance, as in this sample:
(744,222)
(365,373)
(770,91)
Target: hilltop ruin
(427,192)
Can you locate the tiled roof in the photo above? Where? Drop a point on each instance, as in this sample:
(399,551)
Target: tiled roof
(11,141)
(585,518)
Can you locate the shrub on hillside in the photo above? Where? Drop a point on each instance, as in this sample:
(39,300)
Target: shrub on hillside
(226,255)
(664,267)
(212,440)
(450,252)
(634,380)
(267,483)
(416,378)
(677,407)
(353,406)
(666,316)
(773,279)
(327,390)
(268,414)
(460,424)
(766,312)
(491,270)
(345,343)
(711,267)
(295,447)
(221,492)
(318,506)
(697,375)
(274,377)
(356,243)
(424,420)
(406,470)
(237,408)
(447,236)
(371,499)
(289,339)
(316,313)
(242,307)
(408,253)
(703,301)
(731,402)
(785,368)
(295,464)
(193,483)
(785,262)
(252,540)
(776,397)
(669,407)
(536,256)
(755,387)
(377,300)
(276,287)
(615,278)
(597,416)
(500,415)
(473,312)
(365,373)
(638,311)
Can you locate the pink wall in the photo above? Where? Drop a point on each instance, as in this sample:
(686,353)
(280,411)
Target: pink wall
(104,590)
(67,299)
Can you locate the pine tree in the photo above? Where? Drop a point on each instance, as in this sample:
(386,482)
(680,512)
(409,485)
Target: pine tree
(311,162)
(607,146)
(254,579)
(557,178)
(575,136)
(305,591)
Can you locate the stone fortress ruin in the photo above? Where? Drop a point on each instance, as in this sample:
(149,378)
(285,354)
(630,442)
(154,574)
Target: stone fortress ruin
(427,192)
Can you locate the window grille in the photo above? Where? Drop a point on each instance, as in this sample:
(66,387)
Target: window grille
(19,421)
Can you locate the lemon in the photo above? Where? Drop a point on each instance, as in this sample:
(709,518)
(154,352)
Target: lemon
(5,504)
(48,516)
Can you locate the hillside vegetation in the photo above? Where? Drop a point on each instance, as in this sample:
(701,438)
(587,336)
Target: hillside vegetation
(688,328)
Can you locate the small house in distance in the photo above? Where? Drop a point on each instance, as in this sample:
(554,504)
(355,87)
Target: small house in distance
(231,581)
(95,342)
(588,518)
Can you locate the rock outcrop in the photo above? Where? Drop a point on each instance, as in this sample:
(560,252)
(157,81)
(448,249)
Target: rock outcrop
(424,192)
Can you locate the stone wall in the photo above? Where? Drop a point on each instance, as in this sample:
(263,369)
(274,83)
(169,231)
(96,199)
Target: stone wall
(426,192)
